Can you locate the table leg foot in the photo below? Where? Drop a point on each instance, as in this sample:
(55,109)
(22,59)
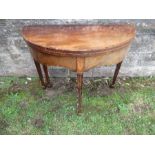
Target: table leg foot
(118,66)
(48,83)
(38,67)
(45,84)
(79,89)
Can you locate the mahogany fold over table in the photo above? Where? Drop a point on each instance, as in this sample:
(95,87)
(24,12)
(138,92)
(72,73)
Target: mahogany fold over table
(78,47)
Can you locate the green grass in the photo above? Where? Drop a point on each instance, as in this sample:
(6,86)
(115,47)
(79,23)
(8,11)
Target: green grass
(28,109)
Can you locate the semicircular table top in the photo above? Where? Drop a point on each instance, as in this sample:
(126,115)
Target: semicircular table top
(78,39)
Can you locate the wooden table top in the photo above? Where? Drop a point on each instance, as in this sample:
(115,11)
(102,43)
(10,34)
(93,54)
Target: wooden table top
(78,39)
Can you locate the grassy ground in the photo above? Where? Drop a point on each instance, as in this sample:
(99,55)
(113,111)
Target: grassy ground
(27,109)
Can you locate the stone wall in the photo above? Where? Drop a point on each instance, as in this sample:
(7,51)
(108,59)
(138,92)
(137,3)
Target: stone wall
(15,58)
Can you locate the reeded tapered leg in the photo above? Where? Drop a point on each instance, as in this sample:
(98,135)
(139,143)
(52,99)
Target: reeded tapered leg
(39,73)
(79,89)
(48,84)
(118,66)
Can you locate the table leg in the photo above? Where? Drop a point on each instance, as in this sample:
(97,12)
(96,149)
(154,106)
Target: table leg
(39,73)
(118,66)
(79,89)
(48,84)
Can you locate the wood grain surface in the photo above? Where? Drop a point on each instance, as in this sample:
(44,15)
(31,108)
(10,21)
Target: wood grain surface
(78,40)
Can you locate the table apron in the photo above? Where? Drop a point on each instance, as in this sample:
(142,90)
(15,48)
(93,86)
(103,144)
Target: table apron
(81,64)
